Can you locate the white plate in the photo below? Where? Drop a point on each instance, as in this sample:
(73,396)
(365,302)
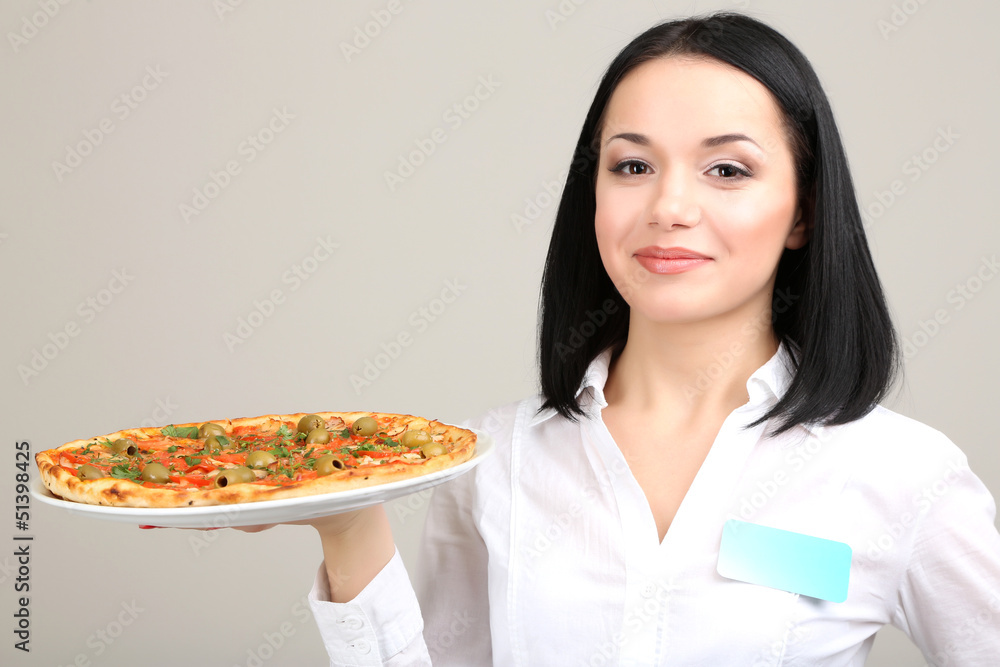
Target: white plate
(267,511)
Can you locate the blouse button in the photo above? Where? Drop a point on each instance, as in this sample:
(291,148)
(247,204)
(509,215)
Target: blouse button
(361,646)
(352,622)
(648,589)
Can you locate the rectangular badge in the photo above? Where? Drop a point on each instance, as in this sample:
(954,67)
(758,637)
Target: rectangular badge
(788,561)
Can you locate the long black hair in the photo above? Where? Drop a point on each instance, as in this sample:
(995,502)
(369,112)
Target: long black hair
(832,316)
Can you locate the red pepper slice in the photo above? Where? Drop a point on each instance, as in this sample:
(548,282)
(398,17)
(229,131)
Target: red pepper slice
(194,480)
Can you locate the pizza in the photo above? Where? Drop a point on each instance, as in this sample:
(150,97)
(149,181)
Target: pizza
(251,459)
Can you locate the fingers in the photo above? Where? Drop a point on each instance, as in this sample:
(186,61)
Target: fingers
(255,529)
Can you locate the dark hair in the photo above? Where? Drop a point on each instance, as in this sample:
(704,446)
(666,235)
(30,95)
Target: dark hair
(832,316)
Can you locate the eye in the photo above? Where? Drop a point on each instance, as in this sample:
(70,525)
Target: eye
(630,168)
(728,171)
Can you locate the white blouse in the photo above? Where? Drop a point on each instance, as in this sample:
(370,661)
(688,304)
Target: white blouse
(548,553)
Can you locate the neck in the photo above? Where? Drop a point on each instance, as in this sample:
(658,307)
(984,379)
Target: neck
(691,370)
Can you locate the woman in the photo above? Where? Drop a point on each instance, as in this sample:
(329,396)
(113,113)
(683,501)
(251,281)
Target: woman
(714,343)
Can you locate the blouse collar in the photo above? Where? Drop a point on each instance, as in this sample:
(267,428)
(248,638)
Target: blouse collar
(764,387)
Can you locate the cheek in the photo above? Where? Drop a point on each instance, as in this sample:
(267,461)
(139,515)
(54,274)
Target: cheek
(614,216)
(757,230)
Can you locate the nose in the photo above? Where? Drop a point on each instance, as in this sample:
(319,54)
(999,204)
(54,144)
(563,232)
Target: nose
(675,200)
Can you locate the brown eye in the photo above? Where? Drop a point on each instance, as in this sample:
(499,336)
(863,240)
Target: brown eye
(630,168)
(729,171)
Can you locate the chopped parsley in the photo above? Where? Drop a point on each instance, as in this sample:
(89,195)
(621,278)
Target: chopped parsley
(192,460)
(124,471)
(171,449)
(389,442)
(180,431)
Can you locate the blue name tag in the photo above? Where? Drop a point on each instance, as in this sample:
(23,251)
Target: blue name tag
(785,560)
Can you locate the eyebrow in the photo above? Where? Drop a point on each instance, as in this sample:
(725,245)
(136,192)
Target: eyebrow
(728,139)
(711,142)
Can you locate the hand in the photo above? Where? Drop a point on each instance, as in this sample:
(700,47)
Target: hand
(331,526)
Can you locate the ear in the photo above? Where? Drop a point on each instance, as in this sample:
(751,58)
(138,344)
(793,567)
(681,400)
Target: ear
(801,231)
(799,235)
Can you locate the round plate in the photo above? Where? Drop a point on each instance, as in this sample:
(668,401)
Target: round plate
(268,511)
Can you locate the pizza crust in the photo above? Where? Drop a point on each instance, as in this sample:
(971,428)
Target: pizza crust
(126,493)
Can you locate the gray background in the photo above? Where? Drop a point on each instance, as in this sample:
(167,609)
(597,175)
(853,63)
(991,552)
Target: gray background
(157,350)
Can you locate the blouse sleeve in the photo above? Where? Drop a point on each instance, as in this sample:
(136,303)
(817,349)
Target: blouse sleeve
(384,625)
(381,626)
(949,597)
(452,578)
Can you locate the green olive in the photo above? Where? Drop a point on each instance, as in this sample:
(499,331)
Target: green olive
(155,472)
(327,464)
(318,436)
(260,459)
(87,471)
(212,444)
(433,449)
(230,476)
(364,426)
(310,422)
(124,446)
(414,439)
(209,428)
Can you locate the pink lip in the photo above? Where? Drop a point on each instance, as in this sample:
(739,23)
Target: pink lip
(669,260)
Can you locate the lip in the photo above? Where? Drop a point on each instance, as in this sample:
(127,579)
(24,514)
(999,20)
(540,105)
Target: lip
(666,261)
(657,252)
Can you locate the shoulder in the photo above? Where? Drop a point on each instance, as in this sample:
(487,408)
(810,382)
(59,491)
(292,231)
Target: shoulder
(885,434)
(503,423)
(893,453)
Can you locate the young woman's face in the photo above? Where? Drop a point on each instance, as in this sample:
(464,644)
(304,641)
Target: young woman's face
(696,192)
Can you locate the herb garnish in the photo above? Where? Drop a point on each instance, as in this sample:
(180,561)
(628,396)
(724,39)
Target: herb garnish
(172,431)
(123,471)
